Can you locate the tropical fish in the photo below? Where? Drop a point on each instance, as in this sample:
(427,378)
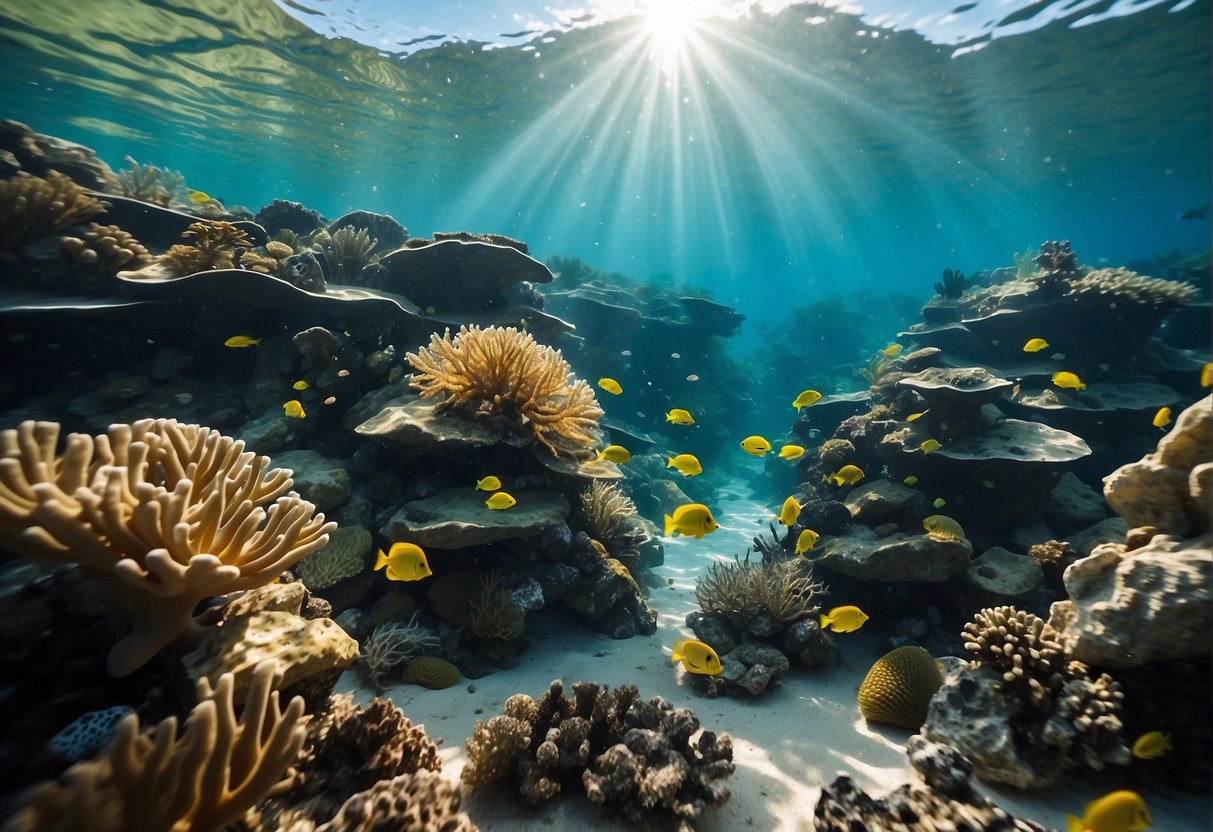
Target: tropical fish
(1119,811)
(404,562)
(615,453)
(806,541)
(939,502)
(755,445)
(789,512)
(1206,374)
(846,475)
(892,350)
(1068,380)
(685,464)
(987,483)
(610,385)
(930,446)
(342,373)
(914,417)
(791,452)
(489,483)
(693,377)
(806,399)
(300,385)
(675,355)
(626,353)
(1151,745)
(1058,356)
(696,657)
(942,527)
(1194,213)
(500,501)
(1162,418)
(911,480)
(331,400)
(845,619)
(200,197)
(690,520)
(239,342)
(1036,345)
(679,417)
(294,409)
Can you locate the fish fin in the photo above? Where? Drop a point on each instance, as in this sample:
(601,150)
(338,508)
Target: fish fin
(669,525)
(601,455)
(257,341)
(669,418)
(380,560)
(1073,824)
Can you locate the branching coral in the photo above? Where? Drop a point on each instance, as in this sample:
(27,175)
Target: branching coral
(952,285)
(608,514)
(390,645)
(161,514)
(493,613)
(347,251)
(1022,647)
(783,589)
(32,207)
(149,183)
(501,372)
(215,246)
(204,779)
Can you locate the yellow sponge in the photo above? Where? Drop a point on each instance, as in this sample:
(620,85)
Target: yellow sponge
(899,686)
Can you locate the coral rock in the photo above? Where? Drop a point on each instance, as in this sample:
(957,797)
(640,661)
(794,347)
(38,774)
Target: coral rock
(419,802)
(898,687)
(1002,573)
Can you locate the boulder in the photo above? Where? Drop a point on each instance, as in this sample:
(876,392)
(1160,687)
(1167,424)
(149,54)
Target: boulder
(1003,573)
(883,500)
(898,557)
(317,479)
(1074,505)
(458,275)
(458,517)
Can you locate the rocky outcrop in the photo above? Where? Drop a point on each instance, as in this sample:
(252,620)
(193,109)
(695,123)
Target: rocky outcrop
(898,557)
(458,517)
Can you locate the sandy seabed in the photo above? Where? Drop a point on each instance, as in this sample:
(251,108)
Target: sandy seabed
(787,745)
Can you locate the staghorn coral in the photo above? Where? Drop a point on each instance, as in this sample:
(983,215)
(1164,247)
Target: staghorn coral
(391,644)
(500,372)
(898,687)
(161,514)
(431,672)
(493,613)
(785,590)
(419,802)
(346,252)
(32,207)
(148,183)
(204,779)
(835,453)
(215,246)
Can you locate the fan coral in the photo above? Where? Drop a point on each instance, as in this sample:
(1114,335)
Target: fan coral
(953,284)
(161,514)
(215,247)
(835,453)
(391,644)
(347,251)
(204,779)
(431,672)
(148,183)
(107,248)
(501,372)
(493,613)
(31,207)
(418,802)
(785,590)
(898,687)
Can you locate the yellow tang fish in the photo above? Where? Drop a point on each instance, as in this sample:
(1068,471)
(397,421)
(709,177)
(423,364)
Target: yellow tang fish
(300,385)
(791,452)
(1162,418)
(930,446)
(610,385)
(911,480)
(939,502)
(1206,374)
(1120,811)
(691,520)
(685,464)
(489,483)
(1036,345)
(789,512)
(241,341)
(1151,745)
(1068,380)
(615,453)
(200,197)
(294,409)
(679,417)
(914,417)
(806,541)
(755,445)
(846,619)
(696,657)
(846,475)
(500,501)
(404,562)
(891,351)
(806,398)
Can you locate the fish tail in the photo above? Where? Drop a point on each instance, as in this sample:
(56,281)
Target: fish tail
(677,655)
(669,418)
(258,341)
(1073,824)
(824,620)
(601,455)
(380,560)
(669,525)
(669,462)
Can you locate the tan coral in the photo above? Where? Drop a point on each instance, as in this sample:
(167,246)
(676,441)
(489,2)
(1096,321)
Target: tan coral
(492,749)
(32,207)
(107,247)
(505,373)
(215,246)
(162,514)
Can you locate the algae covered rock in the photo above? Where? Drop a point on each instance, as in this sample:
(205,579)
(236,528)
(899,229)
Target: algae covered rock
(899,686)
(458,517)
(318,479)
(898,557)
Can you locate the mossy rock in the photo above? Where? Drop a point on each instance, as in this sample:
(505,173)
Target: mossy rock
(344,556)
(431,672)
(899,686)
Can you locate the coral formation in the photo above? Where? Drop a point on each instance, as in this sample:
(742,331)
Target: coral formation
(148,183)
(952,285)
(500,372)
(419,802)
(899,686)
(106,248)
(835,453)
(215,245)
(344,556)
(431,672)
(784,590)
(609,513)
(1020,646)
(391,644)
(346,252)
(160,513)
(284,215)
(32,207)
(492,612)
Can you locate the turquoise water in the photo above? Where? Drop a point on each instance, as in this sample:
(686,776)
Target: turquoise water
(772,159)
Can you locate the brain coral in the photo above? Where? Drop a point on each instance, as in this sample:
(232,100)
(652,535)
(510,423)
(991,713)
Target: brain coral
(431,672)
(344,556)
(899,686)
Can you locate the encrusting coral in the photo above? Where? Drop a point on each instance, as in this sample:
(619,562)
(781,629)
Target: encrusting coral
(215,246)
(32,207)
(898,687)
(204,779)
(161,514)
(502,373)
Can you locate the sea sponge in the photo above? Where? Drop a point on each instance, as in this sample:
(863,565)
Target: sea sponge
(344,556)
(899,686)
(431,672)
(501,372)
(215,245)
(493,613)
(32,207)
(835,453)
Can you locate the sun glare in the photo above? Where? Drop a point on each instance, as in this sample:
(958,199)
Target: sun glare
(668,23)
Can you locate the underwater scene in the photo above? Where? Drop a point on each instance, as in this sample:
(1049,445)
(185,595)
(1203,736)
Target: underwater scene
(641,414)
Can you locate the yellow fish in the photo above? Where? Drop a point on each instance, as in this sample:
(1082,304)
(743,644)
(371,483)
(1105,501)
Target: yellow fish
(791,452)
(242,341)
(911,480)
(846,619)
(690,520)
(846,475)
(755,445)
(615,453)
(939,502)
(892,350)
(489,483)
(930,446)
(685,464)
(500,501)
(914,417)
(944,528)
(1036,345)
(1068,380)
(404,562)
(806,541)
(806,398)
(1206,374)
(300,385)
(1162,418)
(789,512)
(679,417)
(294,409)
(1151,745)
(696,657)
(1120,811)
(200,197)
(610,385)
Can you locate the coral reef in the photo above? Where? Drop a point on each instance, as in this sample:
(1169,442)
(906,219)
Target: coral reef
(346,252)
(160,513)
(785,590)
(215,245)
(32,207)
(419,802)
(392,644)
(148,183)
(835,453)
(503,373)
(493,613)
(899,686)
(284,215)
(344,556)
(106,248)
(610,517)
(431,672)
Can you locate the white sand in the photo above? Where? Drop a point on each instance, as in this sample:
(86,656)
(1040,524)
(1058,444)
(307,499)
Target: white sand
(787,745)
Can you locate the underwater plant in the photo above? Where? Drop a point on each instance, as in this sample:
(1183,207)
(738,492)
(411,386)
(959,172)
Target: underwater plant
(214,246)
(952,285)
(493,613)
(390,645)
(875,368)
(148,183)
(783,589)
(32,207)
(346,252)
(501,372)
(1025,264)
